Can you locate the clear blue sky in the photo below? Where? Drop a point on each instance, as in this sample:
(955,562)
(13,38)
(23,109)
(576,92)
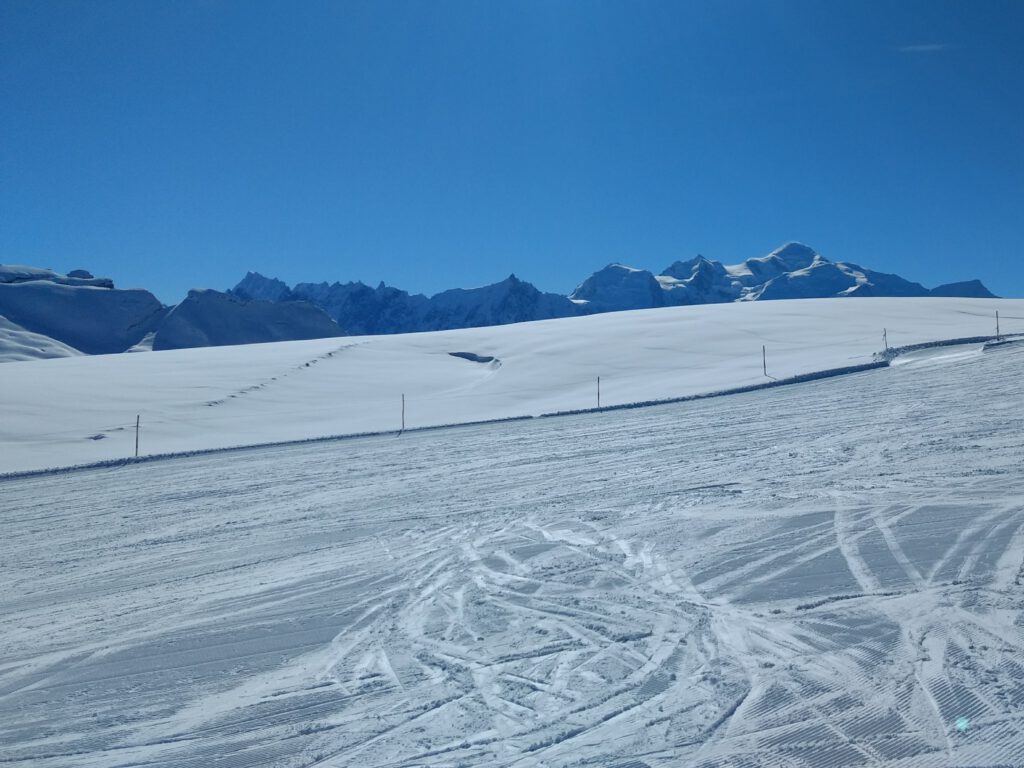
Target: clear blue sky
(441,144)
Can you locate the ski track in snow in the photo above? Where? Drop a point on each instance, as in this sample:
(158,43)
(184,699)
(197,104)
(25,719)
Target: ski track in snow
(828,574)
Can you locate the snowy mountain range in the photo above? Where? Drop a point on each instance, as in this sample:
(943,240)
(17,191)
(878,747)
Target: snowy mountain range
(794,271)
(47,314)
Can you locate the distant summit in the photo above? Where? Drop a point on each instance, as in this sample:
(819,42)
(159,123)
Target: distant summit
(256,286)
(618,287)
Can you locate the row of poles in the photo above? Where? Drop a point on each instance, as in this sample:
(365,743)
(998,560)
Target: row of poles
(764,370)
(885,335)
(764,364)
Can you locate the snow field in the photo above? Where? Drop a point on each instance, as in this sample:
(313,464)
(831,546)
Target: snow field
(827,574)
(81,410)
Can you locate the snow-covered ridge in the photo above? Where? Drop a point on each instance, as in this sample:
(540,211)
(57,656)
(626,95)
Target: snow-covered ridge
(17,273)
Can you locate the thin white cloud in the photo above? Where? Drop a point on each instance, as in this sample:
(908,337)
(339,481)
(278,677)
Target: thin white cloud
(924,48)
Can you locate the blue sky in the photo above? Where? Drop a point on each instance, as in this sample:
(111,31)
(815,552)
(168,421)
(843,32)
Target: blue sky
(441,144)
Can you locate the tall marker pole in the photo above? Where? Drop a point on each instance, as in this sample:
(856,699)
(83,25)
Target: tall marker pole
(598,391)
(764,360)
(403,414)
(885,339)
(136,436)
(997,325)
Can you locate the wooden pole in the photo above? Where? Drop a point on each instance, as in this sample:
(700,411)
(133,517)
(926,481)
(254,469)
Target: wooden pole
(137,416)
(764,360)
(885,339)
(598,391)
(403,412)
(997,325)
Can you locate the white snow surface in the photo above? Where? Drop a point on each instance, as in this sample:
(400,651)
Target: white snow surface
(17,344)
(18,273)
(81,410)
(821,575)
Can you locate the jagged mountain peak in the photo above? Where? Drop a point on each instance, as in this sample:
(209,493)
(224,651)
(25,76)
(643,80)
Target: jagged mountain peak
(256,286)
(684,270)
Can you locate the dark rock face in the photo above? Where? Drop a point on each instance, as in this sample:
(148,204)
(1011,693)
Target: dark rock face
(256,286)
(211,318)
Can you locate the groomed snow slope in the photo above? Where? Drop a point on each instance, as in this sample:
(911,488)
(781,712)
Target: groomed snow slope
(827,575)
(69,411)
